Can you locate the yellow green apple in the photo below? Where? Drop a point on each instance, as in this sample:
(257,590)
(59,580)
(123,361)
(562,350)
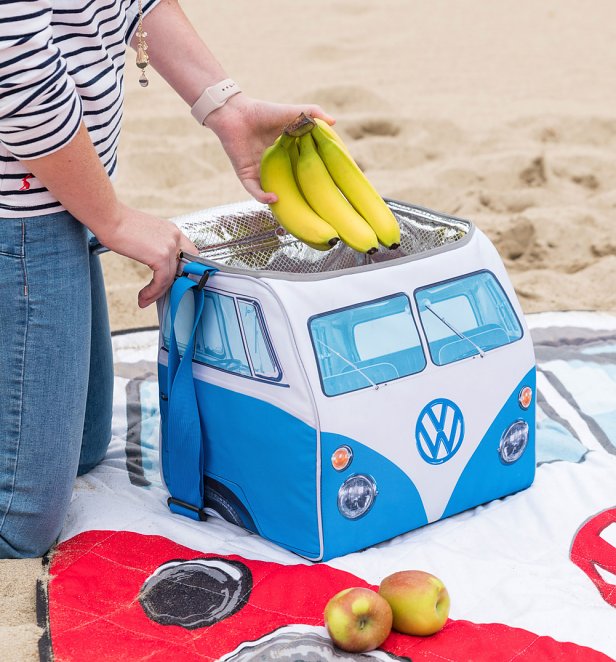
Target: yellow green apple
(419,601)
(358,619)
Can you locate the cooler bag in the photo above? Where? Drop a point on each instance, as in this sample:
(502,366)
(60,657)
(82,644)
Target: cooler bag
(329,401)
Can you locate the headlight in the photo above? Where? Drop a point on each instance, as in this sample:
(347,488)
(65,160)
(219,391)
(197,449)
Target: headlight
(356,496)
(513,442)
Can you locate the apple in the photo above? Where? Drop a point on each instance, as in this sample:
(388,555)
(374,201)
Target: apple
(419,601)
(358,619)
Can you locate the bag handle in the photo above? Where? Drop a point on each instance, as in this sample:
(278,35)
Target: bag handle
(184,442)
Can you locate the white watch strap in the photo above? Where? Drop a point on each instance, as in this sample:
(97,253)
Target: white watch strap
(214,97)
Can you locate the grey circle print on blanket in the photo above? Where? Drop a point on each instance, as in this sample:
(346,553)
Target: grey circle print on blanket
(301,642)
(197,593)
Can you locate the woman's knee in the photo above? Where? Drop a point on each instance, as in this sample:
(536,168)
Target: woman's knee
(33,537)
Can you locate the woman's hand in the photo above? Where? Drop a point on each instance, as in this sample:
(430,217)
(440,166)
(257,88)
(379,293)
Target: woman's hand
(246,127)
(151,241)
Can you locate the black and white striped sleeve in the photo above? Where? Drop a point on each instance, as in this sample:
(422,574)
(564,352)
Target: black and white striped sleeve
(40,111)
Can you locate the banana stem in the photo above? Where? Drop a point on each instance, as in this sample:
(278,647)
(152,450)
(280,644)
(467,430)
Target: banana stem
(300,126)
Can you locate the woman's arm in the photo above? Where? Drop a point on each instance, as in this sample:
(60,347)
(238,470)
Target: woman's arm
(244,126)
(41,125)
(75,176)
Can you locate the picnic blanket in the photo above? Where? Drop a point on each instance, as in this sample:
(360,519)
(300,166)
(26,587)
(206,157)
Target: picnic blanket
(531,576)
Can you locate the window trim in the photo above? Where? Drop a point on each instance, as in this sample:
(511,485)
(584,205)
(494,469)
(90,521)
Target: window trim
(451,280)
(266,337)
(277,381)
(361,305)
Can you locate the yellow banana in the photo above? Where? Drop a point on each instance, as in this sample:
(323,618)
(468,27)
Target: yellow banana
(291,210)
(293,152)
(357,189)
(329,130)
(328,202)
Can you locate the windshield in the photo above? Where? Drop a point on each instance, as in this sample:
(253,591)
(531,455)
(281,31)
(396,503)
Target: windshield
(466,316)
(366,345)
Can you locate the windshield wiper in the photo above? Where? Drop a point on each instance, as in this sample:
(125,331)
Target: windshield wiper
(453,328)
(355,367)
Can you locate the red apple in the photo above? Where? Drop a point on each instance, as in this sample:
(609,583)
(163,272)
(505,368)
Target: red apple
(419,601)
(358,619)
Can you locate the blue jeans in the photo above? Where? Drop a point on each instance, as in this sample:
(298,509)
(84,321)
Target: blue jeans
(56,375)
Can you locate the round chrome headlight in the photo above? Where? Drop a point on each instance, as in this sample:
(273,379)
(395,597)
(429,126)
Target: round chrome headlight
(356,496)
(513,442)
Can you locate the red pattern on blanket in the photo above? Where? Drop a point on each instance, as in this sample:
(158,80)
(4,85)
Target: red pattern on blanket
(111,591)
(590,551)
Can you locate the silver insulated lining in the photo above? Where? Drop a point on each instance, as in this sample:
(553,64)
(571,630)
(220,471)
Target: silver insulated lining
(246,236)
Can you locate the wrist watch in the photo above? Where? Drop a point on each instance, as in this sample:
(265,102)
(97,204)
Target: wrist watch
(214,97)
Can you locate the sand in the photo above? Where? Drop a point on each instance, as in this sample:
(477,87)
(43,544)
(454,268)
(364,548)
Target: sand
(501,112)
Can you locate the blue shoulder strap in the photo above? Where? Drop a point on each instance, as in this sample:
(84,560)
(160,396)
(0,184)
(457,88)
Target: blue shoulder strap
(184,443)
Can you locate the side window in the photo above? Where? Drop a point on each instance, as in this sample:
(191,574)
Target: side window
(368,344)
(260,352)
(466,315)
(183,326)
(219,337)
(231,336)
(210,341)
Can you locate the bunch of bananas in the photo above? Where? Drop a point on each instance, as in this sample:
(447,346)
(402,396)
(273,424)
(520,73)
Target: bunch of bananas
(323,196)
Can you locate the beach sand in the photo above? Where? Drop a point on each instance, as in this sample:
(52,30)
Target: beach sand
(501,112)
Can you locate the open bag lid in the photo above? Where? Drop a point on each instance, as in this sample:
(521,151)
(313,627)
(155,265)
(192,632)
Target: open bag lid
(245,237)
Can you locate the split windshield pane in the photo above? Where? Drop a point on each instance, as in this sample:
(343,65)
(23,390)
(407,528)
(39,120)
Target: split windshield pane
(466,316)
(366,345)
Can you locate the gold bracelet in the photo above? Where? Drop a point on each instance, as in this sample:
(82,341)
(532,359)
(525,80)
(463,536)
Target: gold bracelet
(142,49)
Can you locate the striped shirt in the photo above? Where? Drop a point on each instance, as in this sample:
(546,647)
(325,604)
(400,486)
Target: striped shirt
(61,61)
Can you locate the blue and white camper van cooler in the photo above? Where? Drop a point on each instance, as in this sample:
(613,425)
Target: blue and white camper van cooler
(340,400)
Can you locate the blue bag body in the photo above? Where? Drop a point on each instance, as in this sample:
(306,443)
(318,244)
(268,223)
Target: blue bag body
(328,412)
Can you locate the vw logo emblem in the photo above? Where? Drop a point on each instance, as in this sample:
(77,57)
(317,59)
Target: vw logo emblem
(439,431)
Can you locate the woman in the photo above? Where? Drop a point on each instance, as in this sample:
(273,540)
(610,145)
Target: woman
(61,73)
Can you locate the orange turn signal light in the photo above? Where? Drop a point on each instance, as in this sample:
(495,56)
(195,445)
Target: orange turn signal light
(525,397)
(341,458)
